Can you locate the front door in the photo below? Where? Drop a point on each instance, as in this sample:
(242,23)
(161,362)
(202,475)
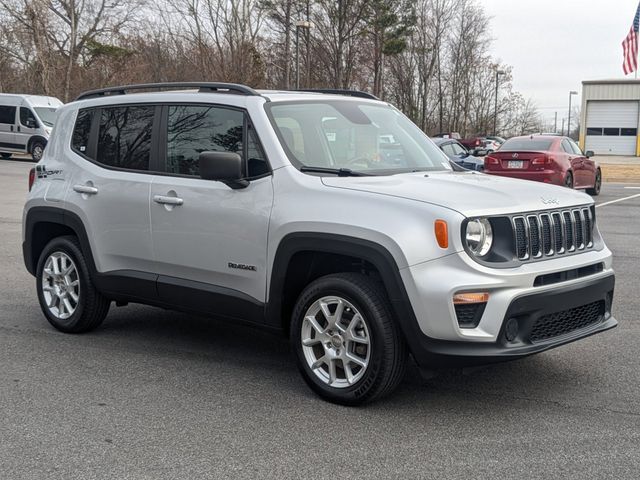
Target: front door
(27,126)
(209,240)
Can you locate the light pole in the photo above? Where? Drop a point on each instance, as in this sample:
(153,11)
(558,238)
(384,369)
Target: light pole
(299,24)
(495,111)
(571,93)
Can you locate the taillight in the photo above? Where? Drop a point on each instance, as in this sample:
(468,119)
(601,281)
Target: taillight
(477,143)
(32,177)
(541,160)
(488,160)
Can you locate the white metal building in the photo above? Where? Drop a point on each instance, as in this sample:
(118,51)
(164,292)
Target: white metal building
(609,117)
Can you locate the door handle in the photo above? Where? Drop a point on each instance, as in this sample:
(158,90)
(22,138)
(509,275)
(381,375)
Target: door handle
(19,128)
(165,200)
(12,128)
(86,189)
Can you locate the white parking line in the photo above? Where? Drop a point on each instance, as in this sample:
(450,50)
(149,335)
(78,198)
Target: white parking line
(618,200)
(633,188)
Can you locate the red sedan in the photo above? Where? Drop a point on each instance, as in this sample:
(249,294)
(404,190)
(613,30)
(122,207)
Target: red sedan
(550,159)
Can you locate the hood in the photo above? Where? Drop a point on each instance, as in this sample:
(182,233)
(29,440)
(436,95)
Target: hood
(471,194)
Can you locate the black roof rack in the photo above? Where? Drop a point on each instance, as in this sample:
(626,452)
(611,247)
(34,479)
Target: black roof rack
(340,91)
(201,86)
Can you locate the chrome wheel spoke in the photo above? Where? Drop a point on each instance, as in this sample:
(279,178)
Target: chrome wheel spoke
(358,361)
(332,370)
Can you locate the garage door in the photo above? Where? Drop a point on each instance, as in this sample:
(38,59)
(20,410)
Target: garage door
(612,127)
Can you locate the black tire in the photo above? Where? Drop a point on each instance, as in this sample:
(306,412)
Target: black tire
(6,156)
(595,191)
(388,351)
(37,150)
(91,307)
(568,180)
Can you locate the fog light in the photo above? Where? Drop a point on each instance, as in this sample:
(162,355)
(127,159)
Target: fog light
(511,329)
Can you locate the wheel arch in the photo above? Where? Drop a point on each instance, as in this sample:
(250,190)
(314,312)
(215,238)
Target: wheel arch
(34,139)
(42,224)
(303,257)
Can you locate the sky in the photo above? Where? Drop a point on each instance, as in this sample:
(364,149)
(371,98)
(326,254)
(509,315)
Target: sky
(553,45)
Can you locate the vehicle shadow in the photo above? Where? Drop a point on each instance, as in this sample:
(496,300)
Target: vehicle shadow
(266,358)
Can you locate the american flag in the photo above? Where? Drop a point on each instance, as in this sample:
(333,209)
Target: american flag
(630,46)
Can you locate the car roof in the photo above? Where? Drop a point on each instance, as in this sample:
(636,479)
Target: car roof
(440,140)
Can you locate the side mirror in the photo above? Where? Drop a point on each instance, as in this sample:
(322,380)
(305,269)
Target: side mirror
(31,124)
(589,153)
(224,167)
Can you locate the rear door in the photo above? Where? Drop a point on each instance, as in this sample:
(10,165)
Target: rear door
(209,240)
(113,148)
(8,141)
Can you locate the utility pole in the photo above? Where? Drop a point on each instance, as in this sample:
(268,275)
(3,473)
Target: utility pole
(571,93)
(555,123)
(306,25)
(562,131)
(495,111)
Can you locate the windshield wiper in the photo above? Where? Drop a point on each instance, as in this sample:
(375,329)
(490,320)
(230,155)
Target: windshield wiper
(341,172)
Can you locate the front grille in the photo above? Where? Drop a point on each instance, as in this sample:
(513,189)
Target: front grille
(552,233)
(560,323)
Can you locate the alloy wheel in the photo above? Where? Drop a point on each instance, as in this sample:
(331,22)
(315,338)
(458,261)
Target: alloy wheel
(336,341)
(60,285)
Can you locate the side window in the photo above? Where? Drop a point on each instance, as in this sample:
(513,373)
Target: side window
(256,162)
(457,148)
(7,115)
(124,138)
(27,118)
(575,148)
(566,146)
(193,129)
(81,131)
(448,149)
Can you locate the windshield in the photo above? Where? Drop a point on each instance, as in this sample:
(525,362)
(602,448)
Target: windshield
(46,114)
(369,138)
(527,144)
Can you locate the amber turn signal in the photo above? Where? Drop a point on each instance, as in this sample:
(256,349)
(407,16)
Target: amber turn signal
(442,233)
(464,298)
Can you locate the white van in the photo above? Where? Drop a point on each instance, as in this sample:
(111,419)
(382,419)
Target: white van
(25,123)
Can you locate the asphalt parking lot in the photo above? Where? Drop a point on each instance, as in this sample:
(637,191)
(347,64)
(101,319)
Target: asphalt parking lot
(154,394)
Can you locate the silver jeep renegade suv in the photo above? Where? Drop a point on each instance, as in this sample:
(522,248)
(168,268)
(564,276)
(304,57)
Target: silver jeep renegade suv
(327,216)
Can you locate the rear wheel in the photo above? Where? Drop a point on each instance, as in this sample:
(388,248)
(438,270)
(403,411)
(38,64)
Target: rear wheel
(597,185)
(37,150)
(568,180)
(67,296)
(347,345)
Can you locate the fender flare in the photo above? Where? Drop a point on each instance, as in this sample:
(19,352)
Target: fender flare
(58,216)
(372,252)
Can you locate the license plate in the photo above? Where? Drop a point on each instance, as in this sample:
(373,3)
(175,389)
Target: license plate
(515,164)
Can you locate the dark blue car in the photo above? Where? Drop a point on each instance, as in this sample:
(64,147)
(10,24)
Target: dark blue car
(458,154)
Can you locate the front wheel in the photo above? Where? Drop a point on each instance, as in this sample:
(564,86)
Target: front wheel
(348,347)
(67,296)
(597,184)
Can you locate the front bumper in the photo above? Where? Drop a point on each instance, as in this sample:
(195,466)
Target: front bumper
(527,310)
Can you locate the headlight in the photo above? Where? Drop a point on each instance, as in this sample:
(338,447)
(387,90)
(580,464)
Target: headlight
(479,236)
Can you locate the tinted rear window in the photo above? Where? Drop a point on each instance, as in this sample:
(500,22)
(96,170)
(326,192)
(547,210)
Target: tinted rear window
(124,140)
(527,144)
(81,131)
